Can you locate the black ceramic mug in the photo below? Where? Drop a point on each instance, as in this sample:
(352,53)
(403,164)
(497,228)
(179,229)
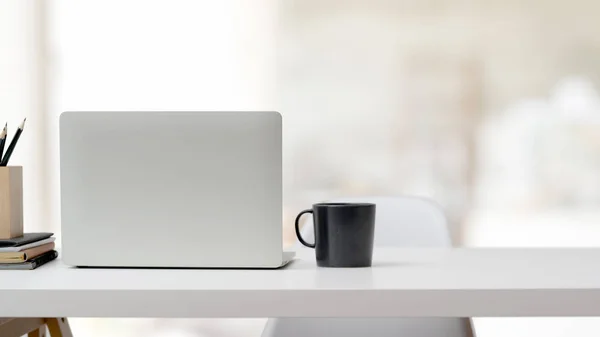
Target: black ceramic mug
(343,234)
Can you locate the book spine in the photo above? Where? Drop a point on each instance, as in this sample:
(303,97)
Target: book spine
(45,259)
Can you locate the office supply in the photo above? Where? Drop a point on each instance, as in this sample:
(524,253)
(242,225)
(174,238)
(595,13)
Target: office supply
(422,218)
(212,199)
(403,282)
(27,246)
(11,202)
(24,239)
(31,264)
(345,233)
(2,139)
(22,256)
(13,144)
(400,222)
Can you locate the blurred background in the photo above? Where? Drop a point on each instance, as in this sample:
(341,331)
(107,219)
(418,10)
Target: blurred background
(489,107)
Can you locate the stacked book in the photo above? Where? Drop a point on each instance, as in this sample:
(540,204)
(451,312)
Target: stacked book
(27,252)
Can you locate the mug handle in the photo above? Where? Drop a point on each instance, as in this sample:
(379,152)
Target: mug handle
(310,245)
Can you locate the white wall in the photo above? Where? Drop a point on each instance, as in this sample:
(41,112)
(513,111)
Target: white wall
(22,95)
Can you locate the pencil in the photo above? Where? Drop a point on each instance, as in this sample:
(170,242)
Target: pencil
(2,139)
(13,143)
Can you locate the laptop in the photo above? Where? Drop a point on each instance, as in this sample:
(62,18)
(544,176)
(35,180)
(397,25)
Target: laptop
(172,189)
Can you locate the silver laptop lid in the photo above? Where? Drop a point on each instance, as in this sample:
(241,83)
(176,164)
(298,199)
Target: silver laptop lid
(171,189)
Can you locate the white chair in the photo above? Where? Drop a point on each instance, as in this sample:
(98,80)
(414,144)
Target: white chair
(400,222)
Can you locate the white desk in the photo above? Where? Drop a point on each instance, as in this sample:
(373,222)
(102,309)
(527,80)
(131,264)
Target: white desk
(402,282)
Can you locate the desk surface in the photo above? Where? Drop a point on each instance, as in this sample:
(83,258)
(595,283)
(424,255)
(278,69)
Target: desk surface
(402,282)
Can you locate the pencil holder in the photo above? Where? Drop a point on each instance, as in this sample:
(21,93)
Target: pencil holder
(11,202)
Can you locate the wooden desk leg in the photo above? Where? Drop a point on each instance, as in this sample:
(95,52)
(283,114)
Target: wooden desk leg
(40,332)
(59,327)
(15,327)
